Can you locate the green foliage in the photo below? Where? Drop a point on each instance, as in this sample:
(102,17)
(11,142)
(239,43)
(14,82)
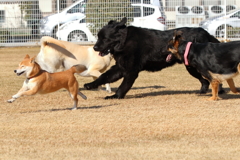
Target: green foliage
(99,12)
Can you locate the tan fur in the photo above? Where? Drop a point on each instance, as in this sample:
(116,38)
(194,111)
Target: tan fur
(42,82)
(55,56)
(219,78)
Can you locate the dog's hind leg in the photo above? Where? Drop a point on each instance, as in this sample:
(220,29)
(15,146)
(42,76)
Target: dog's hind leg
(215,85)
(205,83)
(75,100)
(232,86)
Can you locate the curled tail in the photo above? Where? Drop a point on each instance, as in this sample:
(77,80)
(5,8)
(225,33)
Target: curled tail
(46,39)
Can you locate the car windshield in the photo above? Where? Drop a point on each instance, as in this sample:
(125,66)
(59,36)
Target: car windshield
(80,7)
(232,11)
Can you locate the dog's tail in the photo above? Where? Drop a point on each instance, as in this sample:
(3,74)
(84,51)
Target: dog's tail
(82,95)
(78,68)
(46,39)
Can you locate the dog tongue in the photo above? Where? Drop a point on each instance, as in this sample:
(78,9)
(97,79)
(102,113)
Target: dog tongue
(169,57)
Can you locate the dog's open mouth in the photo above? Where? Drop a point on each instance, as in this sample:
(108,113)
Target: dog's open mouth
(169,57)
(18,74)
(104,53)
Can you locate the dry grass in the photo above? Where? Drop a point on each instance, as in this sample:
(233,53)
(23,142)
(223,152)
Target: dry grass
(161,117)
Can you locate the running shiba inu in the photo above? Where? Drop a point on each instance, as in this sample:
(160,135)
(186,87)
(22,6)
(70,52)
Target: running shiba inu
(40,81)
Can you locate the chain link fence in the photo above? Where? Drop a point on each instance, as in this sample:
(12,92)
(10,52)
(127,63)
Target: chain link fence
(24,22)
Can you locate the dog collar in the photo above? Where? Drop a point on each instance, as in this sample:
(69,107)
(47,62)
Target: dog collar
(186,53)
(34,75)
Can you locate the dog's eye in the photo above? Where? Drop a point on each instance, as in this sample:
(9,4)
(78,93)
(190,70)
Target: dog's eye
(22,66)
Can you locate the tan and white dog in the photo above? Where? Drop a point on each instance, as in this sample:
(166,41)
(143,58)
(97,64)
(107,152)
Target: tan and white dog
(56,55)
(42,82)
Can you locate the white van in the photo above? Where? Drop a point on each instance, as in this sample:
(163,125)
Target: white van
(49,24)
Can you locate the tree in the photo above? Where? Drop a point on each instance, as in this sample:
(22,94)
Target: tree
(99,12)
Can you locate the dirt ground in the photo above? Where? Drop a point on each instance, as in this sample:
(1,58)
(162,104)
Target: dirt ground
(161,118)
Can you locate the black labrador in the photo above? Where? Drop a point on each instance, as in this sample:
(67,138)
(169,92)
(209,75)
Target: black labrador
(136,49)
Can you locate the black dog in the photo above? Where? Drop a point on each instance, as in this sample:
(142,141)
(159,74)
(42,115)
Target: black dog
(215,61)
(136,49)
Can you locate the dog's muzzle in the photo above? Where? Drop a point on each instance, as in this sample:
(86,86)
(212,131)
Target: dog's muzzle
(18,74)
(104,53)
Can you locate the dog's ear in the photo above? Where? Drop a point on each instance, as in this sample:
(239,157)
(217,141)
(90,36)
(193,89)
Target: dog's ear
(27,57)
(123,21)
(33,59)
(122,36)
(111,22)
(122,24)
(177,38)
(178,35)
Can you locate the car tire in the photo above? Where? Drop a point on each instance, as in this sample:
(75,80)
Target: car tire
(77,36)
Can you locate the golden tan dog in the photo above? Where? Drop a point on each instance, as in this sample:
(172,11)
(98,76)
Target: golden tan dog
(56,55)
(40,81)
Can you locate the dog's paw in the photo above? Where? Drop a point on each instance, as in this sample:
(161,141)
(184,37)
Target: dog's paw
(15,96)
(89,86)
(11,100)
(109,91)
(214,98)
(74,108)
(115,96)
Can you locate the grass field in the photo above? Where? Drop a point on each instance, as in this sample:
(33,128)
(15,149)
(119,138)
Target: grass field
(161,118)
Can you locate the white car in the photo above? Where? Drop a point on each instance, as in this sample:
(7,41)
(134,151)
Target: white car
(145,15)
(216,25)
(149,16)
(75,31)
(49,24)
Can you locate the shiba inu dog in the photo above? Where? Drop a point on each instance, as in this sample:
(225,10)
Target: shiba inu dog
(42,82)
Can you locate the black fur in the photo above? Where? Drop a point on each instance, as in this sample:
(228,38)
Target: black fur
(215,61)
(136,49)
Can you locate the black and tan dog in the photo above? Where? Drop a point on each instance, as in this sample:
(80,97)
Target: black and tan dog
(215,61)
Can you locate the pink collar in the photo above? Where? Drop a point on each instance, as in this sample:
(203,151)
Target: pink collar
(186,53)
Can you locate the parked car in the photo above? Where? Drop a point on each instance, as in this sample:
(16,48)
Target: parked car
(216,25)
(149,16)
(75,31)
(49,24)
(145,15)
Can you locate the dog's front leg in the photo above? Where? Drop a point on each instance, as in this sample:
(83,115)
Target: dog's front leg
(215,85)
(14,97)
(129,79)
(112,75)
(23,93)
